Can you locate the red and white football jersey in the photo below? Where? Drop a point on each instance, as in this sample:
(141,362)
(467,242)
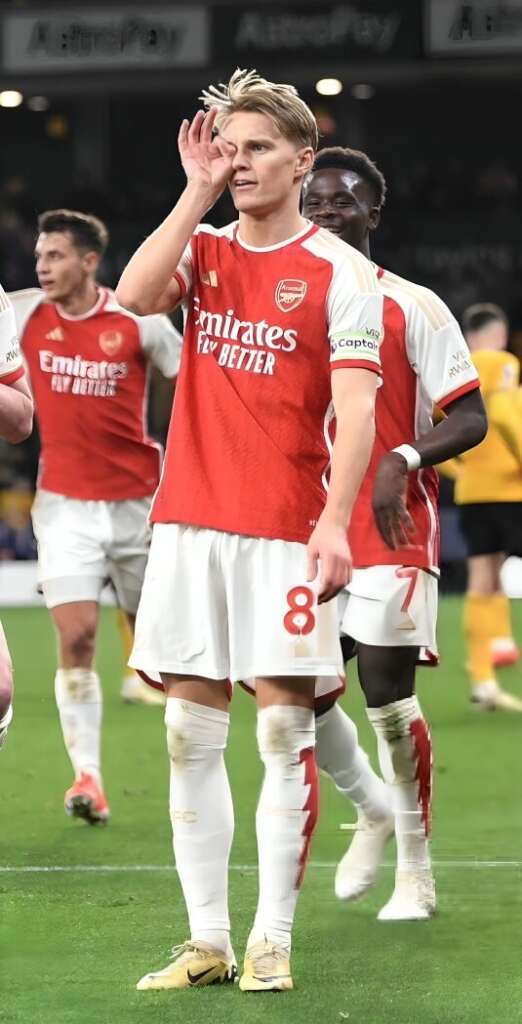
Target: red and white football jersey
(11,362)
(425,362)
(89,380)
(248,441)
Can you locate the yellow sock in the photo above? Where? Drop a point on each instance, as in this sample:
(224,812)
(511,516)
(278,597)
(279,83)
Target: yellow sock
(479,629)
(501,617)
(126,639)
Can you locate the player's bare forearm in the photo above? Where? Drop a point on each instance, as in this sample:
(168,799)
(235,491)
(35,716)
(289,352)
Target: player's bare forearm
(464,427)
(354,401)
(16,411)
(147,284)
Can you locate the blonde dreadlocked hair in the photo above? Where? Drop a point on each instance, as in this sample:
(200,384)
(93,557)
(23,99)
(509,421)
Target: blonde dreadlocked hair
(246,90)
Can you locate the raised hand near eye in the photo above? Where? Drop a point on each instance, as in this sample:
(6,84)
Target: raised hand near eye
(207,160)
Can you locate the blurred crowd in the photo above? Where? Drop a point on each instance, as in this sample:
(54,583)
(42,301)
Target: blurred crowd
(453,231)
(428,202)
(17,541)
(446,187)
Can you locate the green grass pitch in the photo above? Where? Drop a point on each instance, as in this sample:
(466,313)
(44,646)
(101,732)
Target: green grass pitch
(74,942)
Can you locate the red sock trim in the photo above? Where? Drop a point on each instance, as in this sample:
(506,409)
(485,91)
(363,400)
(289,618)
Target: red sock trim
(422,753)
(311,779)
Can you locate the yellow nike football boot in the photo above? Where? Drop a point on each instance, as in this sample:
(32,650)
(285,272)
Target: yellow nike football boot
(193,964)
(266,968)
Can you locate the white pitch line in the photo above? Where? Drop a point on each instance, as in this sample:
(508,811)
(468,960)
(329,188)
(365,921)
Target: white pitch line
(130,868)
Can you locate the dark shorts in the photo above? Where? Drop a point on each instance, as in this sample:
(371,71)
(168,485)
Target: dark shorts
(491,527)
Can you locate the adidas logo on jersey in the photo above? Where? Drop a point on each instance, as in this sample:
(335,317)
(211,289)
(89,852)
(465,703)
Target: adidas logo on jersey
(55,335)
(209,277)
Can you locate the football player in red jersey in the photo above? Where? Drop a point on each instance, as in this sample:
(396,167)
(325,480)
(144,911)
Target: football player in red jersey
(88,361)
(244,516)
(389,607)
(16,422)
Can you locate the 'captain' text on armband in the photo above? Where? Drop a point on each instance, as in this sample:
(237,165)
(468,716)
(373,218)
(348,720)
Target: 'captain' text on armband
(365,344)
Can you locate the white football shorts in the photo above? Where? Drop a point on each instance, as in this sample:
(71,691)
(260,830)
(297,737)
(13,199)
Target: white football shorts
(224,606)
(391,606)
(84,544)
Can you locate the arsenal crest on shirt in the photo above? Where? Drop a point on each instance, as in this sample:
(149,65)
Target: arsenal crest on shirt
(110,342)
(290,294)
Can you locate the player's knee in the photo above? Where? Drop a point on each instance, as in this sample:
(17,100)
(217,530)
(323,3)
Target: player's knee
(387,674)
(178,744)
(284,729)
(482,586)
(273,731)
(6,685)
(195,733)
(78,639)
(379,692)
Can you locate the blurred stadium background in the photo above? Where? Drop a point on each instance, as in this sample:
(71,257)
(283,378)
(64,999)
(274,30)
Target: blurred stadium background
(91,97)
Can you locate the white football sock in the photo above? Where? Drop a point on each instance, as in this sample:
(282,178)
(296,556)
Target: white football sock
(405,757)
(79,701)
(339,755)
(202,815)
(286,816)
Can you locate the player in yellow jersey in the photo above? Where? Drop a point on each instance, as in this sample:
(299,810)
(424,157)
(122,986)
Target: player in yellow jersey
(488,491)
(505,414)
